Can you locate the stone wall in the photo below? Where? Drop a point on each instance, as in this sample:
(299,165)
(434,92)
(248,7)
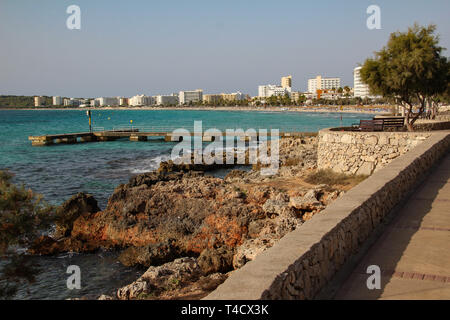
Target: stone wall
(303,262)
(363,152)
(443,117)
(431,125)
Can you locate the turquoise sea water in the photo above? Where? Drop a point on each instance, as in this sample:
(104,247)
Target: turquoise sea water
(60,171)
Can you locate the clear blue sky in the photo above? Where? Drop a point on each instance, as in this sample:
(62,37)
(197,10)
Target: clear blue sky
(156,47)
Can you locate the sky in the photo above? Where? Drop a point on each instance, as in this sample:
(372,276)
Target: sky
(155,47)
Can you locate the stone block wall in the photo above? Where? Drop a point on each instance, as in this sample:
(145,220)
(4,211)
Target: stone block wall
(303,262)
(431,125)
(363,152)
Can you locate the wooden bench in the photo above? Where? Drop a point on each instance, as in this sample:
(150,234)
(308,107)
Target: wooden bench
(371,125)
(393,122)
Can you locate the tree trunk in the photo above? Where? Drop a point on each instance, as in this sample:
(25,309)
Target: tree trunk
(434,110)
(410,126)
(408,120)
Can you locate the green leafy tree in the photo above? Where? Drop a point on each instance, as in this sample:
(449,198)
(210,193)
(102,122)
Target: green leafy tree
(410,69)
(440,99)
(286,100)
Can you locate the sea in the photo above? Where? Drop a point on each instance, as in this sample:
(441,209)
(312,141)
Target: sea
(62,170)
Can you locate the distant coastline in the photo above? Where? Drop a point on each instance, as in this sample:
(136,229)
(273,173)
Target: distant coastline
(320,109)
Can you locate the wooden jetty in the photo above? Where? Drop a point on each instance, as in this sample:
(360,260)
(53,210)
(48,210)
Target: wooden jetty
(135,135)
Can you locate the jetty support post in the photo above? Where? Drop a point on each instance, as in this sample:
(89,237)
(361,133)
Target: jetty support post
(134,137)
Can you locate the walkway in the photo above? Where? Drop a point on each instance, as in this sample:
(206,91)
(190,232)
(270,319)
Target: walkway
(413,253)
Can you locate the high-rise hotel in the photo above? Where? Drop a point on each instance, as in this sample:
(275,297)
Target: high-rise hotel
(286,82)
(320,83)
(360,88)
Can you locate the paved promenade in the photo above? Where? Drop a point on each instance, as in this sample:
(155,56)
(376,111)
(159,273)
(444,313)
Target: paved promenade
(413,252)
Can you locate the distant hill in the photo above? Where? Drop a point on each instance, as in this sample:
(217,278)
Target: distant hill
(20,101)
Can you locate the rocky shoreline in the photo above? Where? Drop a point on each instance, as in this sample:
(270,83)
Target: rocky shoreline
(191,229)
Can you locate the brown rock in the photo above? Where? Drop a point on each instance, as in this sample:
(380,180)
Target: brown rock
(216,260)
(151,255)
(80,204)
(44,245)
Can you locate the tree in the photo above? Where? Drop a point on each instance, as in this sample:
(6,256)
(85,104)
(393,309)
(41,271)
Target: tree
(439,99)
(23,215)
(286,100)
(410,69)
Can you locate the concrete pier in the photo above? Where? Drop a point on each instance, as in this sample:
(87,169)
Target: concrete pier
(88,138)
(41,143)
(106,138)
(132,135)
(68,140)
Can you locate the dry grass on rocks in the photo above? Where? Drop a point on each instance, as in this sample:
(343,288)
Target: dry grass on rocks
(331,178)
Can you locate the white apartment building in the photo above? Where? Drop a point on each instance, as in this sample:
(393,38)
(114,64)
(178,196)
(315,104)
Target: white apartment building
(39,101)
(57,101)
(123,101)
(94,103)
(186,97)
(73,102)
(360,88)
(68,102)
(239,96)
(107,101)
(273,90)
(320,83)
(82,103)
(141,100)
(166,100)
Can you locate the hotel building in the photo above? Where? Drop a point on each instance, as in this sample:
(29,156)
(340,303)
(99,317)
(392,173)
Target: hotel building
(212,98)
(39,101)
(215,98)
(361,89)
(187,97)
(166,100)
(123,101)
(57,101)
(269,90)
(286,82)
(107,101)
(141,100)
(320,83)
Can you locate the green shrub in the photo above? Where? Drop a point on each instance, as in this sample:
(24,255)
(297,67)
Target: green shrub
(23,215)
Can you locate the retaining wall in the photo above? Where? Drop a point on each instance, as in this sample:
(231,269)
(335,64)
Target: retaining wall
(432,125)
(305,260)
(363,152)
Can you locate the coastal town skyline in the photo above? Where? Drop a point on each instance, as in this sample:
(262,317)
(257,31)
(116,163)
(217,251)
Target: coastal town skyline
(318,87)
(150,48)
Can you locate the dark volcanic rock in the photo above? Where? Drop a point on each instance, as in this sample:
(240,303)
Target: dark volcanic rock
(216,260)
(152,178)
(80,204)
(151,255)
